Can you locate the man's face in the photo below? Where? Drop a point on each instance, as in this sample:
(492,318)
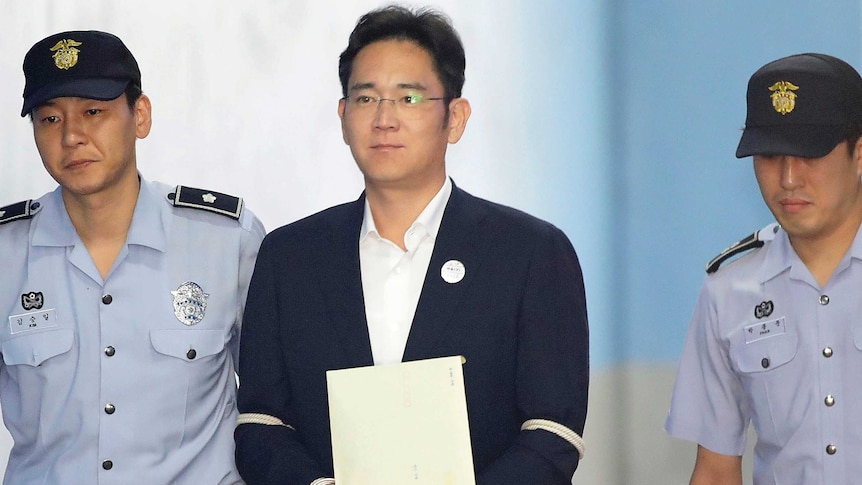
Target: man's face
(813,198)
(88,146)
(395,146)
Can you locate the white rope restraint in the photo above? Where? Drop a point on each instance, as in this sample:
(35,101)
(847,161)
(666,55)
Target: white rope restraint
(559,430)
(257,418)
(324,481)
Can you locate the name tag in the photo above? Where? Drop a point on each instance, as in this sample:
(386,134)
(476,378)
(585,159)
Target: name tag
(768,328)
(26,322)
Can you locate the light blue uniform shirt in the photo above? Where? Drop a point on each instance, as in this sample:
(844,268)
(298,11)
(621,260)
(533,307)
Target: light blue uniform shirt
(768,346)
(101,382)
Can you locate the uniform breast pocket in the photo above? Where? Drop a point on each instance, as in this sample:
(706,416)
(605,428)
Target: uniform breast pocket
(33,349)
(764,355)
(188,345)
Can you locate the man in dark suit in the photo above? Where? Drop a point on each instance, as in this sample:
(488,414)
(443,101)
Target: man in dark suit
(416,268)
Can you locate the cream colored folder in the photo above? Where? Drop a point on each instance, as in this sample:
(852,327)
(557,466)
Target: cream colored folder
(401,424)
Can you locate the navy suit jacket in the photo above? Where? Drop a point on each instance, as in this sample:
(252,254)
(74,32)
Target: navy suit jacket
(518,317)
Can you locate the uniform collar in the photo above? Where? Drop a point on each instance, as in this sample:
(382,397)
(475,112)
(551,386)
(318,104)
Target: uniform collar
(52,225)
(149,221)
(780,255)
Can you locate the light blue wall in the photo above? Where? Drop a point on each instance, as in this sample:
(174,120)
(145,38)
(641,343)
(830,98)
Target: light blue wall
(683,195)
(649,100)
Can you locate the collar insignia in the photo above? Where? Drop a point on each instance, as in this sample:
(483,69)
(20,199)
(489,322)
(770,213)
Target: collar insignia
(783,97)
(65,54)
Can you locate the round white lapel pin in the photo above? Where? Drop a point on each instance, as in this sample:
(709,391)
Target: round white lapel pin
(453,271)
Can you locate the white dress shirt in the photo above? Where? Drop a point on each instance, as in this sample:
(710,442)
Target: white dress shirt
(392,278)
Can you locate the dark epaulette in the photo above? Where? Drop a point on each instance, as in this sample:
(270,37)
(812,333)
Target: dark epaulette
(226,205)
(19,211)
(755,240)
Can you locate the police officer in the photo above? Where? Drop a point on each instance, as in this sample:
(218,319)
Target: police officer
(776,336)
(123,296)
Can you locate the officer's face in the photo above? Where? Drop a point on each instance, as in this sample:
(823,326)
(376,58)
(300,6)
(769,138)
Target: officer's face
(88,146)
(397,146)
(814,199)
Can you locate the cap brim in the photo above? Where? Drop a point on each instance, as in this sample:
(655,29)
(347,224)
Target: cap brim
(807,141)
(101,89)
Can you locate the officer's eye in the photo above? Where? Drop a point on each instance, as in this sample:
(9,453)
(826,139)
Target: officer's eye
(93,111)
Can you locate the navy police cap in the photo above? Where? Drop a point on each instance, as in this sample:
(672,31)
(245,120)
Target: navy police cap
(84,64)
(801,105)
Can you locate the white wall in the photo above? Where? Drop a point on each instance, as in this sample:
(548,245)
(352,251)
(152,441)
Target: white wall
(245,93)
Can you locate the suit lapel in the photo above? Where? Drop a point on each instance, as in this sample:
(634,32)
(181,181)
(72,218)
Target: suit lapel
(459,239)
(342,284)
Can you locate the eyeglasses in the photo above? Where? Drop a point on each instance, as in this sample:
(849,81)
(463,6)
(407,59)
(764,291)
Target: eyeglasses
(409,105)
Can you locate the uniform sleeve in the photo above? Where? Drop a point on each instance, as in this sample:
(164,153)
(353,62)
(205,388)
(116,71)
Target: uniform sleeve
(267,453)
(253,233)
(708,406)
(552,371)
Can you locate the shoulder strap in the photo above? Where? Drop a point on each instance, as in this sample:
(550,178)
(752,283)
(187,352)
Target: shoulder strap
(755,240)
(19,211)
(208,200)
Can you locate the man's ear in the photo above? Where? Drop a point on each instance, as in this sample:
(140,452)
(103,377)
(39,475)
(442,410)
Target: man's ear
(143,116)
(342,104)
(459,113)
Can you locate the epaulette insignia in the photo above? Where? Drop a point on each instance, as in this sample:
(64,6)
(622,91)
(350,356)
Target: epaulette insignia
(226,205)
(19,211)
(755,240)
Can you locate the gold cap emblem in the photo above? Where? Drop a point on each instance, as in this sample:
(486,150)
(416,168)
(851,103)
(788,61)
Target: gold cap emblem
(65,54)
(783,97)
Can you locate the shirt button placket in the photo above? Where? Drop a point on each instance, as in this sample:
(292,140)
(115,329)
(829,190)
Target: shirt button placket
(109,350)
(829,400)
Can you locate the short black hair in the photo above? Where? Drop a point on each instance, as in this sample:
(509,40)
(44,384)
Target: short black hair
(133,92)
(427,28)
(852,137)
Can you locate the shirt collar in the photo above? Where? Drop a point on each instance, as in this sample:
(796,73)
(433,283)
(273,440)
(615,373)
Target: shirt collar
(54,228)
(149,222)
(430,218)
(781,255)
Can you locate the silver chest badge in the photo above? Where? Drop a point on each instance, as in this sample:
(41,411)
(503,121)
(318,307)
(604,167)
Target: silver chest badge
(190,303)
